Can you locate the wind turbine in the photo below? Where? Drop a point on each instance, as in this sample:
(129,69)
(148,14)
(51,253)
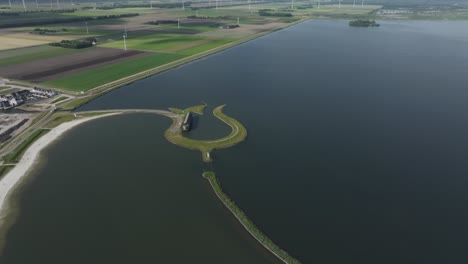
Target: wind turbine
(292,4)
(183,5)
(362,3)
(37,5)
(125,43)
(24,5)
(125,38)
(354,3)
(318,4)
(339,5)
(9,1)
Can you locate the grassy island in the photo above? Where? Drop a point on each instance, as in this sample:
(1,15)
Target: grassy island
(246,222)
(174,133)
(363,23)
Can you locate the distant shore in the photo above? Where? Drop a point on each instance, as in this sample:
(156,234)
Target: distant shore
(29,158)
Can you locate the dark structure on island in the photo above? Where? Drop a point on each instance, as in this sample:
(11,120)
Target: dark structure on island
(187,125)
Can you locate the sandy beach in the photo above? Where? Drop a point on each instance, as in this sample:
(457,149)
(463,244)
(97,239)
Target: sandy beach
(10,180)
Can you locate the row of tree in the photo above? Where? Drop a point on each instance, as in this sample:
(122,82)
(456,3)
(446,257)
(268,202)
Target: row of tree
(75,44)
(268,12)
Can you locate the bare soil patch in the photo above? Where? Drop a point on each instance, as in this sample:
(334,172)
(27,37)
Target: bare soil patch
(52,68)
(12,124)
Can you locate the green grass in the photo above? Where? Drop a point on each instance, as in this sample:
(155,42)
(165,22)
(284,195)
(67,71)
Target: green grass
(198,28)
(154,42)
(204,47)
(44,53)
(198,109)
(5,54)
(75,103)
(92,78)
(4,170)
(16,154)
(61,118)
(237,135)
(74,29)
(59,99)
(245,221)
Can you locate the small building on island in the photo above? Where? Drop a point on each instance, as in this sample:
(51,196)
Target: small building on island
(187,124)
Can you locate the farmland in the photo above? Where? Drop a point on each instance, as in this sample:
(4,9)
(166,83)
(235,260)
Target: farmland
(92,78)
(29,54)
(55,67)
(196,29)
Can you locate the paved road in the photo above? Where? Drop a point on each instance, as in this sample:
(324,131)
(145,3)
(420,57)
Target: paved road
(174,128)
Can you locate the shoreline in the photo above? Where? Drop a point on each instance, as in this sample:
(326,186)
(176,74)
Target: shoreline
(13,178)
(103,89)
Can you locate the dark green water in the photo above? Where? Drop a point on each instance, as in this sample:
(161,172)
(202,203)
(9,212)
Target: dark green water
(356,153)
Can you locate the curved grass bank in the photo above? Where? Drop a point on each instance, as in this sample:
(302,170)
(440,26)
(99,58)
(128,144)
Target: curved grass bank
(246,222)
(237,135)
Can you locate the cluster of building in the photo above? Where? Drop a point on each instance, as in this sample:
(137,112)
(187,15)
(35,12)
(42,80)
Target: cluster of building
(18,98)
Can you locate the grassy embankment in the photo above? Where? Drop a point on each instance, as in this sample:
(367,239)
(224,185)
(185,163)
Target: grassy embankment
(15,155)
(237,135)
(198,109)
(246,222)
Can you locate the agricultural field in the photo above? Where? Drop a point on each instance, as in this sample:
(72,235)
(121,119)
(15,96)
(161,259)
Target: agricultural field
(93,78)
(43,70)
(29,54)
(21,40)
(25,55)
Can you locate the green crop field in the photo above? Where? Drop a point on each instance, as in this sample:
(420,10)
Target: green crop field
(78,28)
(43,52)
(4,54)
(92,78)
(207,46)
(155,42)
(189,27)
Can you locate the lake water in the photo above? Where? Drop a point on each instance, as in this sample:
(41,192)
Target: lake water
(356,154)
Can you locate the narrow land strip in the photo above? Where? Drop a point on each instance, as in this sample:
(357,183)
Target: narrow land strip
(246,222)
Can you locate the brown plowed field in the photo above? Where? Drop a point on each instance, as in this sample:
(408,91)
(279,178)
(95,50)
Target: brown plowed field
(52,68)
